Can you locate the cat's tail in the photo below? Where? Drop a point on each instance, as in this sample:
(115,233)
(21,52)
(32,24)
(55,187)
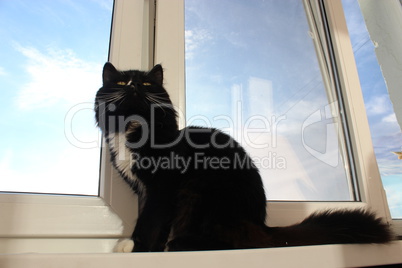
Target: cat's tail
(333,227)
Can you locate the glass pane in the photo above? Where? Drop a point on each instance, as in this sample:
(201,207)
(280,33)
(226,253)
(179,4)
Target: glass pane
(52,53)
(252,71)
(384,128)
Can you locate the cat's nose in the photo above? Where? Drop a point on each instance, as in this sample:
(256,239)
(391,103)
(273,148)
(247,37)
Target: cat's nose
(134,90)
(131,85)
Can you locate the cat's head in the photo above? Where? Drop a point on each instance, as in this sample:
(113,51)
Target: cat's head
(130,95)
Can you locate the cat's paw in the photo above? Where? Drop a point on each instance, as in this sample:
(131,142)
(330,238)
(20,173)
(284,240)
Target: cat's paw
(124,246)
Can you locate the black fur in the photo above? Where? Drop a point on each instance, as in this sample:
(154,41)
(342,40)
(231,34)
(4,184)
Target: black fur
(204,193)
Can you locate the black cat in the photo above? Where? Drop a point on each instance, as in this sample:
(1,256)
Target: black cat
(198,188)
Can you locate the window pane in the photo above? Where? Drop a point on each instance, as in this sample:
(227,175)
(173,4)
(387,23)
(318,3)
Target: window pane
(252,71)
(385,131)
(52,53)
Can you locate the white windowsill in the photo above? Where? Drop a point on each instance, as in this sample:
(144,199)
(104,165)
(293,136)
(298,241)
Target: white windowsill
(310,256)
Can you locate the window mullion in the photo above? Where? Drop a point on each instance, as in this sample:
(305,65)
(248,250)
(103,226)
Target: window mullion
(169,51)
(131,47)
(325,55)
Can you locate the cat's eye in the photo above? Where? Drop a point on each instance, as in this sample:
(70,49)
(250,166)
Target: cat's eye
(121,83)
(146,84)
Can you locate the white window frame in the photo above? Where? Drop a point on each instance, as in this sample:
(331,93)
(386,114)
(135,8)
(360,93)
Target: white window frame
(45,223)
(328,256)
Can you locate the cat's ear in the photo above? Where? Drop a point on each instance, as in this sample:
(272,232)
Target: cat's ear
(109,71)
(157,74)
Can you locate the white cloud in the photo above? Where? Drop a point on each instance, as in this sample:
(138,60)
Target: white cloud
(394,199)
(70,171)
(194,39)
(391,118)
(377,105)
(57,77)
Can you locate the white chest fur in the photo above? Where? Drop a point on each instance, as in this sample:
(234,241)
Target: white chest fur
(123,157)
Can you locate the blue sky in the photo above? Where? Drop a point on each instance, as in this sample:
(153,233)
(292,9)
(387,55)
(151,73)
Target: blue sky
(53,51)
(52,55)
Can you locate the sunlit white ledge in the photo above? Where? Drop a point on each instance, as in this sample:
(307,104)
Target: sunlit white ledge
(310,256)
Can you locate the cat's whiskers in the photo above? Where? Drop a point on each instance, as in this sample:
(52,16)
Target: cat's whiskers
(154,101)
(156,98)
(109,98)
(157,101)
(113,97)
(157,93)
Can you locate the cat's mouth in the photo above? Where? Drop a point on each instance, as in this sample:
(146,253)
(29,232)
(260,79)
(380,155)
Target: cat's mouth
(132,89)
